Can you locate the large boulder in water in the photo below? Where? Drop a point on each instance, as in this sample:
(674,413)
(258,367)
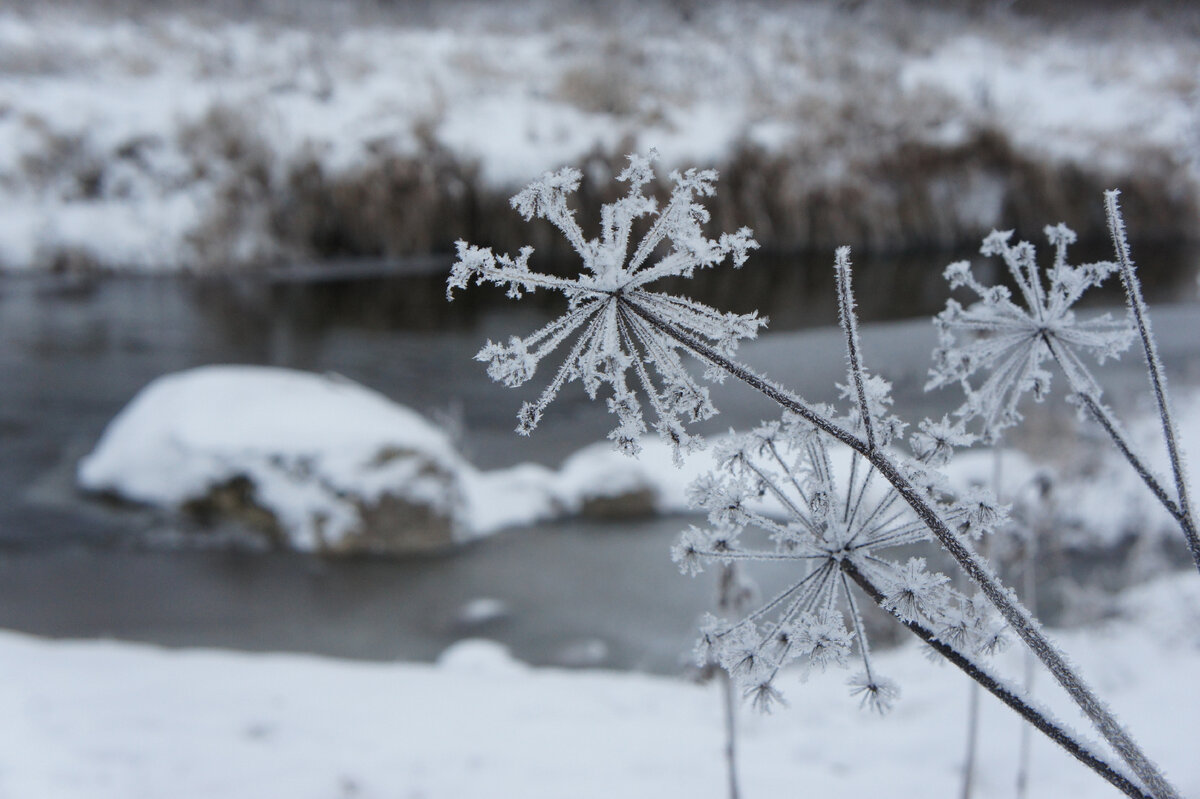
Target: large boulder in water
(316,462)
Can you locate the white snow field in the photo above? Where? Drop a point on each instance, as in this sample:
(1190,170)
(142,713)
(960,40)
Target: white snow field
(106,720)
(122,138)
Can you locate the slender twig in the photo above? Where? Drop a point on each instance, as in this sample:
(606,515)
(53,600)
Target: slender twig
(1085,394)
(1112,429)
(968,782)
(729,709)
(730,597)
(1158,379)
(1024,753)
(995,686)
(1018,618)
(1182,517)
(1040,522)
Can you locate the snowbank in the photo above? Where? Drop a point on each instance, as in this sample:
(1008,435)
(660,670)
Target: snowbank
(94,720)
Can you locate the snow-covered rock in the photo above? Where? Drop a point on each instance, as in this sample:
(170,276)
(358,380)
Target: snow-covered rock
(316,461)
(319,463)
(322,464)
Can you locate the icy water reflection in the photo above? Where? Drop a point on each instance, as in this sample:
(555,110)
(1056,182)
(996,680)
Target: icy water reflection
(76,350)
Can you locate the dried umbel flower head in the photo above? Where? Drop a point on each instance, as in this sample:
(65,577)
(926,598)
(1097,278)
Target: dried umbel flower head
(609,304)
(1009,343)
(835,520)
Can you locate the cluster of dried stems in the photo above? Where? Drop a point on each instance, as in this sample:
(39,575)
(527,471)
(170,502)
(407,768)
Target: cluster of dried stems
(626,327)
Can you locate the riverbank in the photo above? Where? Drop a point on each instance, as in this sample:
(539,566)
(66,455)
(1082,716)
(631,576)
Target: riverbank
(159,136)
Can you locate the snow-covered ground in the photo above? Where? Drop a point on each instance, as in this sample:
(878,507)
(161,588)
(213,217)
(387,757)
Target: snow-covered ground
(100,720)
(169,139)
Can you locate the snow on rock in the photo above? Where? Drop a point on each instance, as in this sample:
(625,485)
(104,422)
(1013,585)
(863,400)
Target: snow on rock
(599,481)
(318,461)
(323,464)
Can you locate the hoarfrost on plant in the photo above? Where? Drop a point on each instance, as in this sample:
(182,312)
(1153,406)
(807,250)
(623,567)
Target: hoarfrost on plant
(1008,343)
(832,518)
(610,304)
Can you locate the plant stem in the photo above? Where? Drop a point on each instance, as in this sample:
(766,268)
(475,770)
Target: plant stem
(968,782)
(997,688)
(1029,577)
(1158,380)
(1106,420)
(849,320)
(975,568)
(731,596)
(729,707)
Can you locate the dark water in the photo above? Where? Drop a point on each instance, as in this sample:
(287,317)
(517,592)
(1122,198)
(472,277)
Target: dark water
(74,351)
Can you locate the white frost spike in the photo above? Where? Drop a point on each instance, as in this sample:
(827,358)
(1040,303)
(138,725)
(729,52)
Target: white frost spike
(917,593)
(876,693)
(936,441)
(1181,508)
(849,322)
(1009,342)
(609,302)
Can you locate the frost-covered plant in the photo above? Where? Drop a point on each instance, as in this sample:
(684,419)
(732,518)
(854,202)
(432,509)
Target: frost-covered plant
(782,482)
(1008,345)
(607,302)
(626,326)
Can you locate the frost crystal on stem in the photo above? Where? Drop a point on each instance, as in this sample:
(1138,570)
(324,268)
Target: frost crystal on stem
(1009,343)
(610,340)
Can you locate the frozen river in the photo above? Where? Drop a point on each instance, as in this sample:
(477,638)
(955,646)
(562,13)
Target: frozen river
(75,351)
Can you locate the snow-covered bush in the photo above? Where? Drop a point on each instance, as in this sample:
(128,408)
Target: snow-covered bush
(831,514)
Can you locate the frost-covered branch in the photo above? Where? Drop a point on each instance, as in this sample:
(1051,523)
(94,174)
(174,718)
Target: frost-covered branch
(997,687)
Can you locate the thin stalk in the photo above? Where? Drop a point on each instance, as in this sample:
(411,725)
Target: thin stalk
(1029,578)
(849,321)
(1112,429)
(1158,380)
(968,782)
(729,708)
(1024,753)
(998,689)
(731,597)
(1010,608)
